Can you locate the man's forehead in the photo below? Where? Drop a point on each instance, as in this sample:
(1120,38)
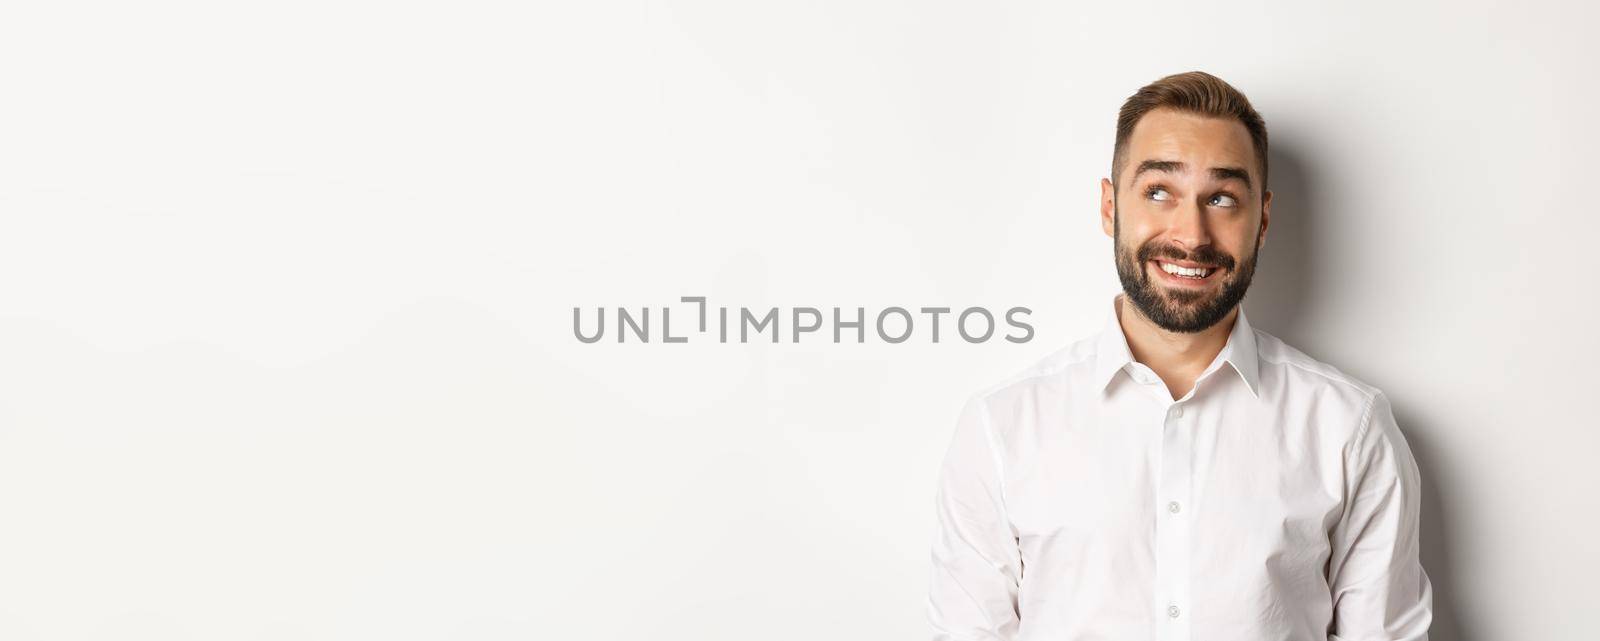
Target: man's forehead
(1206,141)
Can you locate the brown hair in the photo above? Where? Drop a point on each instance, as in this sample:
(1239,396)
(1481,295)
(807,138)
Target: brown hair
(1195,92)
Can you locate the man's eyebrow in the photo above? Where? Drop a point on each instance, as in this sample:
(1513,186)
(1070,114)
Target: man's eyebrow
(1169,166)
(1173,166)
(1227,173)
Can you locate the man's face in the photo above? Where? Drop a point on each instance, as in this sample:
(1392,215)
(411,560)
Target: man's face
(1189,196)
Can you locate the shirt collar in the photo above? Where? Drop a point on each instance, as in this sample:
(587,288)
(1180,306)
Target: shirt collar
(1112,354)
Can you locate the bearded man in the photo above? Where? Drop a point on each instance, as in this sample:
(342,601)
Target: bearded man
(1180,475)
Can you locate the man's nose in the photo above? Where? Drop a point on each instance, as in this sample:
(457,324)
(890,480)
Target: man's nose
(1189,226)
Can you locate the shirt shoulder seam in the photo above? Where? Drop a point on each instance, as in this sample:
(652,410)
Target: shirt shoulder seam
(1028,375)
(1366,391)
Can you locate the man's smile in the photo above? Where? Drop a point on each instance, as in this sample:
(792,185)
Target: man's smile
(1186,273)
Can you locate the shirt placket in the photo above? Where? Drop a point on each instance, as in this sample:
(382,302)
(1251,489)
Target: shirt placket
(1172,523)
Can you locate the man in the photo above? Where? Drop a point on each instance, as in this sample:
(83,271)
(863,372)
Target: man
(1181,475)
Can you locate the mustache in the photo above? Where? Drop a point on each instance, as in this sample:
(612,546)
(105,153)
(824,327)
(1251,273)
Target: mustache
(1204,254)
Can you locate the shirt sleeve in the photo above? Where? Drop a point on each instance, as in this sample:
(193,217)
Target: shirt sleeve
(1380,591)
(977,565)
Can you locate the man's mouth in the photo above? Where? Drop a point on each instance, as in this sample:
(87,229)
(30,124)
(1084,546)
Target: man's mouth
(1186,273)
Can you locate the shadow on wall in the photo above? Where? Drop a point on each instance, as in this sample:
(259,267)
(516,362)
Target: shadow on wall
(1280,296)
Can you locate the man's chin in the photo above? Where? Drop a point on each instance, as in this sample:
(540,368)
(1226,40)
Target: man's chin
(1175,297)
(1178,309)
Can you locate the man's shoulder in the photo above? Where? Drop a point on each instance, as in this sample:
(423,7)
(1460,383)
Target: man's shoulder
(1295,371)
(1051,370)
(1287,367)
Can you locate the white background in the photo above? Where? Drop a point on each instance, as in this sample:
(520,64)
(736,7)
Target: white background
(286,291)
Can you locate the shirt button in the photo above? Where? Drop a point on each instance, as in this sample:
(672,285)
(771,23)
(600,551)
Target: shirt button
(1172,611)
(1177,411)
(1173,507)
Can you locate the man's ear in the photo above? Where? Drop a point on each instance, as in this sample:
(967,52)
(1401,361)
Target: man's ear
(1266,218)
(1108,207)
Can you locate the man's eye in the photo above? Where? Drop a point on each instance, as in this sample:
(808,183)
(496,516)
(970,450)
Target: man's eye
(1224,200)
(1157,193)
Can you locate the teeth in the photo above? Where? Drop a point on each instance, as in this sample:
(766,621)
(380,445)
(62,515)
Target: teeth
(1197,272)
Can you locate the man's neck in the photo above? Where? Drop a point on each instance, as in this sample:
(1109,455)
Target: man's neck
(1178,358)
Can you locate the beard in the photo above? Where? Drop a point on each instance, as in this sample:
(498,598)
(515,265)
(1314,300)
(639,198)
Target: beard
(1182,310)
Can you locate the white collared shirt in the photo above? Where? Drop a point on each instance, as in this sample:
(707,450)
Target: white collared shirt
(1276,500)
